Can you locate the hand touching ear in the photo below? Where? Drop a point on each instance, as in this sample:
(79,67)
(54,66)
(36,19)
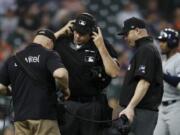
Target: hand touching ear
(66,30)
(98,38)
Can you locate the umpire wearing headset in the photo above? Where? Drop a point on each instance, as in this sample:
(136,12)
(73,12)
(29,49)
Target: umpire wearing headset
(91,63)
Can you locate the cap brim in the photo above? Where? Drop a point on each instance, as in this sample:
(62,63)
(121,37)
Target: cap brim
(82,30)
(122,32)
(47,33)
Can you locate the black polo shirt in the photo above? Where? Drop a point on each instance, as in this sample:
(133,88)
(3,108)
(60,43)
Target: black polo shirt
(145,64)
(79,63)
(32,100)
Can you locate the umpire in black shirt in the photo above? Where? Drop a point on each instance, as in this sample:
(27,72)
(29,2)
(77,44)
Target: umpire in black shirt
(35,100)
(91,62)
(143,85)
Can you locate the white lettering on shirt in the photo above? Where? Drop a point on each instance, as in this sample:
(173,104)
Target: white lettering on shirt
(32,59)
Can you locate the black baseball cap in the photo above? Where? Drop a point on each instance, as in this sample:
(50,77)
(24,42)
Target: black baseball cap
(84,23)
(48,33)
(131,24)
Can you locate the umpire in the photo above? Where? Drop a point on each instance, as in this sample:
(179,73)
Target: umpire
(91,62)
(143,85)
(35,100)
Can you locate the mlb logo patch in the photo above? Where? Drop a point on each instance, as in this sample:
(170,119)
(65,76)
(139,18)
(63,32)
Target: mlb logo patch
(129,67)
(81,22)
(142,69)
(15,64)
(90,59)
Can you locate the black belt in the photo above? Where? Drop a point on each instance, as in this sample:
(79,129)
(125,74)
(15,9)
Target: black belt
(169,102)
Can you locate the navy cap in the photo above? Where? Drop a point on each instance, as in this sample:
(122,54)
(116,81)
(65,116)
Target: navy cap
(48,33)
(84,23)
(131,24)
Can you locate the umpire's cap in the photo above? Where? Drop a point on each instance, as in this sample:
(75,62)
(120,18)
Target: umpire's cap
(131,24)
(48,33)
(84,23)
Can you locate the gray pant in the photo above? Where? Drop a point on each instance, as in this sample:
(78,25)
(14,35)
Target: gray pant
(168,120)
(144,122)
(94,110)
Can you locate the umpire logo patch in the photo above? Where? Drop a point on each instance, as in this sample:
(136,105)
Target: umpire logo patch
(142,69)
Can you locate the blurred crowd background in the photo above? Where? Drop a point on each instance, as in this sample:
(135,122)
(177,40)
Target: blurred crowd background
(20,19)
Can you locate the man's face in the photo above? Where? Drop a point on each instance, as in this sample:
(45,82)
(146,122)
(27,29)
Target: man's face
(81,39)
(164,47)
(131,37)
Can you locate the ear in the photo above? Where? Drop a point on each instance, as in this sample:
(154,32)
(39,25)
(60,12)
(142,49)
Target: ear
(137,30)
(50,44)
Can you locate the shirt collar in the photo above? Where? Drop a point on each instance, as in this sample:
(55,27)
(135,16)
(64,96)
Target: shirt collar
(143,40)
(35,44)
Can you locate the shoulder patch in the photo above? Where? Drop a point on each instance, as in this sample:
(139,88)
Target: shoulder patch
(142,69)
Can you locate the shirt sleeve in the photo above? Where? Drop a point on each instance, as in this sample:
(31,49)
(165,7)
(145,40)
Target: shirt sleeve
(4,75)
(54,62)
(110,49)
(145,64)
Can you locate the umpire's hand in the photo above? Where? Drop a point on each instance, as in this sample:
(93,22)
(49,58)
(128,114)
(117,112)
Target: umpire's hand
(98,38)
(129,112)
(68,28)
(66,93)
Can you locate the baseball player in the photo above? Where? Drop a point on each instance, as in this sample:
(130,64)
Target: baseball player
(169,116)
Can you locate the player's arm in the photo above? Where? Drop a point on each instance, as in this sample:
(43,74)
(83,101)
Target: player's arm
(110,64)
(172,80)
